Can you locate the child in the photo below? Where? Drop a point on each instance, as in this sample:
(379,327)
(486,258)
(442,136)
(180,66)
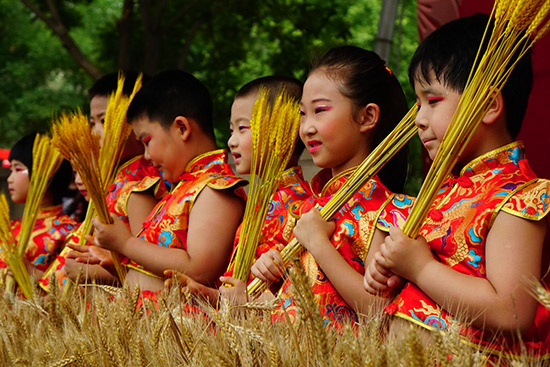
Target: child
(191,229)
(137,188)
(351,101)
(292,190)
(52,226)
(484,229)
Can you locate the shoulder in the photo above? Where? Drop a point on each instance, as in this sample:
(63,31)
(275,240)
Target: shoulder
(530,201)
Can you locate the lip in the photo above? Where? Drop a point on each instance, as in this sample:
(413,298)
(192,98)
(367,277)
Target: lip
(236,157)
(427,140)
(314,145)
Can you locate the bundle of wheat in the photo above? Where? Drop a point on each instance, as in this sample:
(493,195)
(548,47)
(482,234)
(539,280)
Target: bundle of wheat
(46,161)
(274,131)
(97,166)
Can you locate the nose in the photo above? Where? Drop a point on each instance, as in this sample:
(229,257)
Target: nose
(77,179)
(421,120)
(232,141)
(10,177)
(307,127)
(146,154)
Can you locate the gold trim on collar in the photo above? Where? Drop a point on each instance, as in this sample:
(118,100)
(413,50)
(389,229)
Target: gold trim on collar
(201,156)
(493,152)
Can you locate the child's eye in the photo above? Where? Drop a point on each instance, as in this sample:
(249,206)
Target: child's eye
(433,99)
(302,113)
(320,109)
(243,127)
(146,140)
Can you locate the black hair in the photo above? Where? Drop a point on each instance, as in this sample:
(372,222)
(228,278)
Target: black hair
(170,94)
(107,84)
(22,151)
(362,76)
(449,52)
(275,84)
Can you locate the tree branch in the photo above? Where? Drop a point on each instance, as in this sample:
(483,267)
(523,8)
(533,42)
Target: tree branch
(58,28)
(125,26)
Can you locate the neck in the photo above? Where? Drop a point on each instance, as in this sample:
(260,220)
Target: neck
(47,200)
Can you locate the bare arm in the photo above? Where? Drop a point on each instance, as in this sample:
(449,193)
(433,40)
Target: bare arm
(314,234)
(213,221)
(140,204)
(513,253)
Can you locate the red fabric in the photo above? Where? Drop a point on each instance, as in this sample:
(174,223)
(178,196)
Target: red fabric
(277,228)
(458,238)
(355,222)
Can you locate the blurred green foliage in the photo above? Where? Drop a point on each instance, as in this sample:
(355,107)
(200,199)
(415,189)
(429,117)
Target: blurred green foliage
(225,43)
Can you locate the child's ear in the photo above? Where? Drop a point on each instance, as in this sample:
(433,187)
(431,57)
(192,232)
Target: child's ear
(495,110)
(183,127)
(369,117)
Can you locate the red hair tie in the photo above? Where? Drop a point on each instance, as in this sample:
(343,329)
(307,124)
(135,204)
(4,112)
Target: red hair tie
(388,69)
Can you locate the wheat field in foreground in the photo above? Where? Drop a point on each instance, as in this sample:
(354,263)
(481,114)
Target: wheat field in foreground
(102,326)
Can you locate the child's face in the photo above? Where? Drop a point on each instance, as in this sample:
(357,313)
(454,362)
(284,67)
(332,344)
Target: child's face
(18,181)
(240,142)
(98,108)
(327,126)
(80,186)
(438,104)
(164,147)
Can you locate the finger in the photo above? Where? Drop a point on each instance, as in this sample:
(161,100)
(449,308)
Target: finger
(381,263)
(395,281)
(168,283)
(92,240)
(78,248)
(377,276)
(168,273)
(372,286)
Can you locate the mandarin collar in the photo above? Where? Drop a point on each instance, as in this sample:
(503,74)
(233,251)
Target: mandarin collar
(513,152)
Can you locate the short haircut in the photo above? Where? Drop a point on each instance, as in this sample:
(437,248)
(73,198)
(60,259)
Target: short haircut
(170,94)
(362,76)
(107,84)
(449,52)
(22,151)
(275,85)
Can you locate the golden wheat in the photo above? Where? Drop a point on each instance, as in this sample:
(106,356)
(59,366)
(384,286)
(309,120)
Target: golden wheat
(274,131)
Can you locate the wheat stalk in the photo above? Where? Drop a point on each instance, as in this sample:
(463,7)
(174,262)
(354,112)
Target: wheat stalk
(46,161)
(97,166)
(274,130)
(517,25)
(400,135)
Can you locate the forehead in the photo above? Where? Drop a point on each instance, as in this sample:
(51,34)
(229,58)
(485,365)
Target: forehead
(15,162)
(242,107)
(321,86)
(144,125)
(98,105)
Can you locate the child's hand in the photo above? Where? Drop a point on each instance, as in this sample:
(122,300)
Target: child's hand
(188,284)
(404,256)
(378,280)
(90,255)
(269,267)
(236,292)
(110,236)
(72,268)
(312,231)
